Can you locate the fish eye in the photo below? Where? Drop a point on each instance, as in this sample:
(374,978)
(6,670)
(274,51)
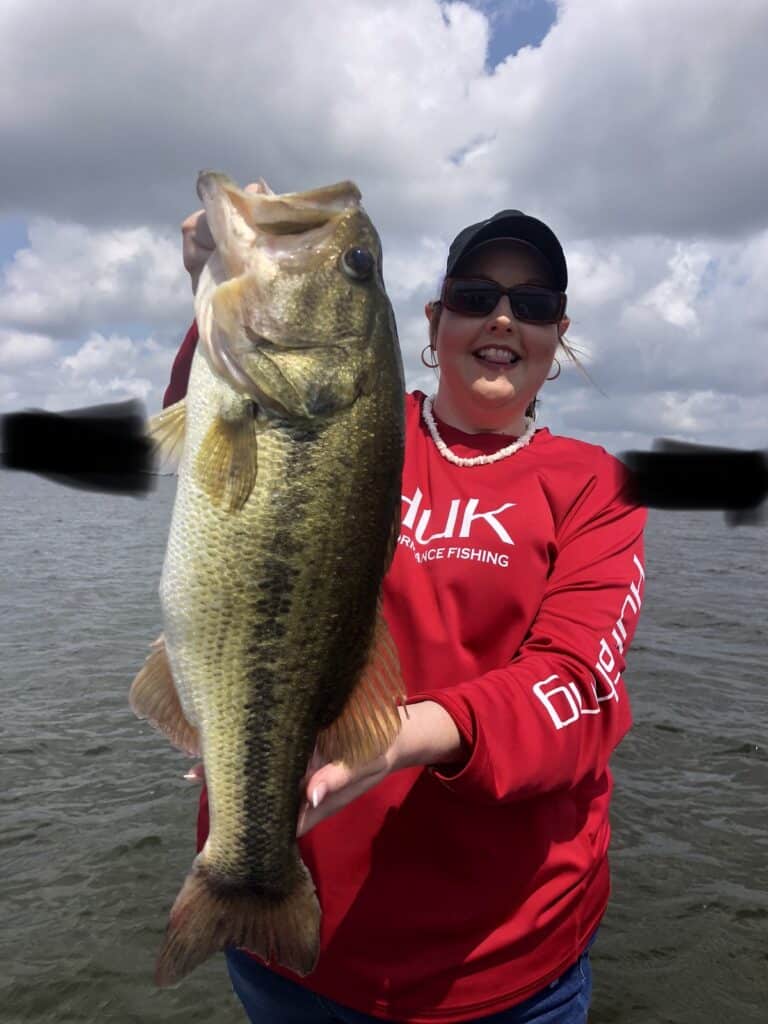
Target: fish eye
(357,263)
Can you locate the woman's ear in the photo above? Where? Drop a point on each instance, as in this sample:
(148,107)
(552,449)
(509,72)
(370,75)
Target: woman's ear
(428,308)
(564,326)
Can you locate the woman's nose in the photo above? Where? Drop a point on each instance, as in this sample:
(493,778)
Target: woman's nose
(501,325)
(502,318)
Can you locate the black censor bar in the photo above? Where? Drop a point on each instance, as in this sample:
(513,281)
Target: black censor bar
(678,475)
(101,448)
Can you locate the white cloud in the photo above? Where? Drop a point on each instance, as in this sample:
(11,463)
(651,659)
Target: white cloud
(9,396)
(704,417)
(133,387)
(70,276)
(632,129)
(111,368)
(18,349)
(620,302)
(415,270)
(674,298)
(623,119)
(99,353)
(101,369)
(597,275)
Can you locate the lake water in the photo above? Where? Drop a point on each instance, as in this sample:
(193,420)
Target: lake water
(97,821)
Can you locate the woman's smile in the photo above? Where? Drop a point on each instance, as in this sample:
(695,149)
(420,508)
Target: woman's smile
(495,355)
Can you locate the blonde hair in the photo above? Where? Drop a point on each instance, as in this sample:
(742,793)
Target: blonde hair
(434,321)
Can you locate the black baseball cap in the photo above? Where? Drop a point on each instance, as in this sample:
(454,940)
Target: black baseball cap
(519,227)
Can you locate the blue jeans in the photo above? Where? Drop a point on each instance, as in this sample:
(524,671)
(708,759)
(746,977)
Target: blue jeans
(269,998)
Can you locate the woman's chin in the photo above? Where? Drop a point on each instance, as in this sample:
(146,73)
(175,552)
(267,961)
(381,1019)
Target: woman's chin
(495,392)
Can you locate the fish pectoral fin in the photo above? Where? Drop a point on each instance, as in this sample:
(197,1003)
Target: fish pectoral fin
(370,721)
(166,432)
(227,461)
(153,696)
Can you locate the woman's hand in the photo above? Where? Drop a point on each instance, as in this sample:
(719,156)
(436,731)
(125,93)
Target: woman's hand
(428,735)
(197,245)
(197,241)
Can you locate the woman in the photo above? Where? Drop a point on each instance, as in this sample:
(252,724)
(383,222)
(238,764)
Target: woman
(463,874)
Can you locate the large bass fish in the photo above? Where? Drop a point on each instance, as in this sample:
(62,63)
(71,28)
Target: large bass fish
(285,520)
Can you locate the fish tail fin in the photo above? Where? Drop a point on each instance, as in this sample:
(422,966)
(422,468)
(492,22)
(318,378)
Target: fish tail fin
(209,916)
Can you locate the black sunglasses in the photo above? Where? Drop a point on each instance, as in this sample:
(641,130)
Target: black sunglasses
(478,296)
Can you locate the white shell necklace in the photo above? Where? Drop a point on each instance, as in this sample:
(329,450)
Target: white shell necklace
(478,460)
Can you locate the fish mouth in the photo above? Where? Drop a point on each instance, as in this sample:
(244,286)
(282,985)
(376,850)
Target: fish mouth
(267,216)
(263,232)
(337,196)
(295,213)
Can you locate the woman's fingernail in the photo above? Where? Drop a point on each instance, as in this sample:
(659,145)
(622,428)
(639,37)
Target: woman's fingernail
(318,793)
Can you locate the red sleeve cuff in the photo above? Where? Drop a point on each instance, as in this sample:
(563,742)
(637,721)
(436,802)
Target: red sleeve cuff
(465,723)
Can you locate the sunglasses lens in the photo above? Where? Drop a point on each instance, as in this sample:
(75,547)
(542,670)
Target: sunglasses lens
(473,298)
(536,306)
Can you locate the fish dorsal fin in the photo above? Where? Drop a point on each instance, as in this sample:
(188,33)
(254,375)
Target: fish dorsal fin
(370,720)
(153,696)
(166,431)
(227,461)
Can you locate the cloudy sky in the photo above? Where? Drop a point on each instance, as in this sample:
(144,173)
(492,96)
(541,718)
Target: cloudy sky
(635,128)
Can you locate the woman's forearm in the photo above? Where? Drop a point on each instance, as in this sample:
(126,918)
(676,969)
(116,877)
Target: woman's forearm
(429,736)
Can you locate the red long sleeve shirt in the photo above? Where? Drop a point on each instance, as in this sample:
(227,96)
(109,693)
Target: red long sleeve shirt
(513,595)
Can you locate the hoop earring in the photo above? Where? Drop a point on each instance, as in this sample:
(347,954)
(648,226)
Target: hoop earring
(558,370)
(432,365)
